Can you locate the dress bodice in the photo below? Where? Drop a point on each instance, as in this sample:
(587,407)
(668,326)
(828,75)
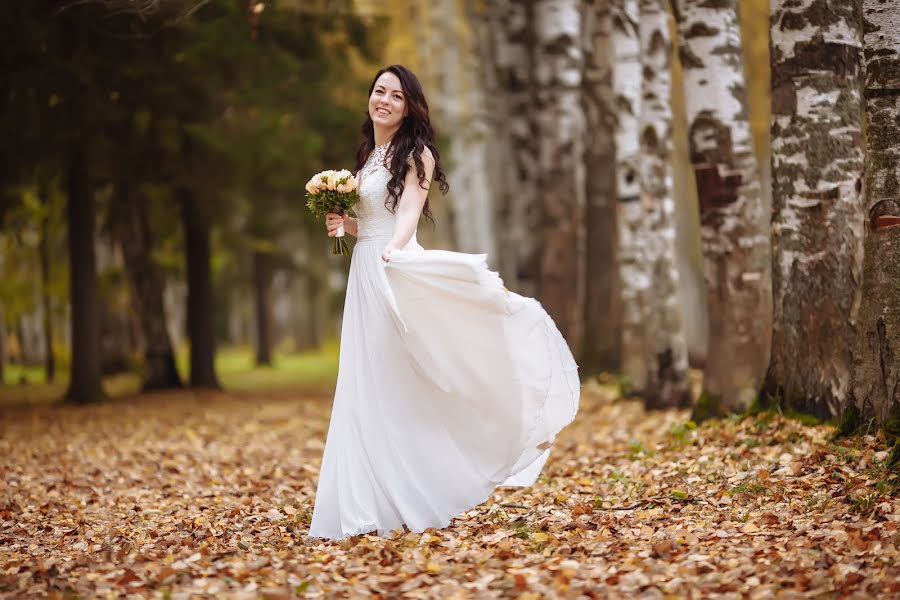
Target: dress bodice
(375,220)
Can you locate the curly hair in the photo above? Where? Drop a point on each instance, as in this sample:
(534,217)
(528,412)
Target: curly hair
(415,134)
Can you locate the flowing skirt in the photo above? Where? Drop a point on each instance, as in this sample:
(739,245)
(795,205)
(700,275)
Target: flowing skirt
(448,386)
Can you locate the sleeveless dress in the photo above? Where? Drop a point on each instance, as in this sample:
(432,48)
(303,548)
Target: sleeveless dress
(448,385)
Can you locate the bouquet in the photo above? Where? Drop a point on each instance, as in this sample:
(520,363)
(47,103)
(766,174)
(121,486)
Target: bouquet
(332,191)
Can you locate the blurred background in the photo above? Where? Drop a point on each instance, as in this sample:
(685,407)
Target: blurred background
(154,159)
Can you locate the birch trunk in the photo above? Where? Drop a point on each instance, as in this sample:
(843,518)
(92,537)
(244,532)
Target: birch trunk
(603,304)
(633,272)
(666,360)
(461,115)
(734,226)
(506,35)
(817,204)
(875,388)
(560,129)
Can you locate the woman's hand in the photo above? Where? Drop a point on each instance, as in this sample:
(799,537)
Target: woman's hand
(333,221)
(386,253)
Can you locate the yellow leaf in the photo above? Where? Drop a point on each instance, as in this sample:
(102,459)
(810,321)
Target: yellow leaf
(433,567)
(585,481)
(750,527)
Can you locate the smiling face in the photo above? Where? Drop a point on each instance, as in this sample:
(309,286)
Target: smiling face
(387,104)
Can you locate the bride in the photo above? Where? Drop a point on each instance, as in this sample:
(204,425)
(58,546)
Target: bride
(448,385)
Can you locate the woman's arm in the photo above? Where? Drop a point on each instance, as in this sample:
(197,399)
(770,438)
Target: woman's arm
(410,206)
(333,221)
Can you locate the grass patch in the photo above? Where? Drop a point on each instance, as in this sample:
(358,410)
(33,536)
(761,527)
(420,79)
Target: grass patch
(235,366)
(750,489)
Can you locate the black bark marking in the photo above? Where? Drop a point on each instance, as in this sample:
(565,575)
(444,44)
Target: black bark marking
(817,55)
(689,60)
(710,141)
(700,29)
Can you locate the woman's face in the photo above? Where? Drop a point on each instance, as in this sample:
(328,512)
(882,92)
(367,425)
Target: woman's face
(387,104)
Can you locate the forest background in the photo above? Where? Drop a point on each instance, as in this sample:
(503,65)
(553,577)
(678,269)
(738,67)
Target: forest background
(279,102)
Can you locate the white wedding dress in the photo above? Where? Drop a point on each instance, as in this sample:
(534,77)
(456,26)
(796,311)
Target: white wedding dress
(448,384)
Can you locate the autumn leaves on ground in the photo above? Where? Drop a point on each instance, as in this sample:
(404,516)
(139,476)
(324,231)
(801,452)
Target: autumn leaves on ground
(209,495)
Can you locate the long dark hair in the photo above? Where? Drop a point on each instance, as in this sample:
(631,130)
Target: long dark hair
(414,135)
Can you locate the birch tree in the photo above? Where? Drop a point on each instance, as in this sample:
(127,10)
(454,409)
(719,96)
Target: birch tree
(558,64)
(875,391)
(461,114)
(603,304)
(504,32)
(633,274)
(666,360)
(818,222)
(734,226)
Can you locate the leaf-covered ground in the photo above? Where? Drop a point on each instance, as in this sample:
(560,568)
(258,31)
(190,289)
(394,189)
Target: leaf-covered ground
(186,495)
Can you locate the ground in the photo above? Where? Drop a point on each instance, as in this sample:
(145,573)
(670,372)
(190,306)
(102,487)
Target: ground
(209,495)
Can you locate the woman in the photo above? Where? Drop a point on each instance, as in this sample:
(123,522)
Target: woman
(448,384)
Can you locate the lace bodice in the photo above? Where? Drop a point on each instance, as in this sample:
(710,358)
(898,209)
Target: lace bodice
(375,220)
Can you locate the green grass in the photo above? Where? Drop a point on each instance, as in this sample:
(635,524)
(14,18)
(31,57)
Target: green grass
(235,367)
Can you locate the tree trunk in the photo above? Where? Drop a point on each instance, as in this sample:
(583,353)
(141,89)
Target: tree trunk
(506,40)
(46,307)
(633,266)
(603,304)
(2,347)
(262,304)
(875,387)
(667,377)
(132,228)
(200,295)
(561,169)
(817,204)
(85,384)
(734,227)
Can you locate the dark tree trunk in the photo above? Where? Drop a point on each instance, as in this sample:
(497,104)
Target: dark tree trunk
(603,306)
(44,249)
(85,384)
(262,276)
(132,228)
(200,293)
(2,348)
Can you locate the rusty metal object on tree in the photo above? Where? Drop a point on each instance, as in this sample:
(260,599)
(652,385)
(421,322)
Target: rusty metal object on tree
(885,222)
(713,190)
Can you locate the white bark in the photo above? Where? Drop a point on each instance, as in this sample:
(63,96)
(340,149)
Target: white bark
(666,360)
(504,36)
(818,218)
(465,123)
(558,66)
(734,224)
(633,264)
